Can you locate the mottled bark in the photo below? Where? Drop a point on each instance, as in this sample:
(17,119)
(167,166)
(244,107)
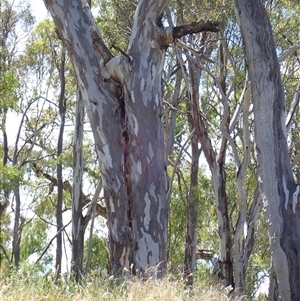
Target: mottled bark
(127,128)
(275,174)
(122,98)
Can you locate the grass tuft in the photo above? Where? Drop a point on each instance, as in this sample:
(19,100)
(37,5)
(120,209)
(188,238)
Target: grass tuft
(37,288)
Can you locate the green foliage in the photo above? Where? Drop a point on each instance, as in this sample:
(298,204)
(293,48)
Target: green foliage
(115,20)
(34,238)
(8,86)
(207,224)
(10,177)
(99,254)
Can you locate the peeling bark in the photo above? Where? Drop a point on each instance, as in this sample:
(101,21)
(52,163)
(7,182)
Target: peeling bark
(275,174)
(122,98)
(128,132)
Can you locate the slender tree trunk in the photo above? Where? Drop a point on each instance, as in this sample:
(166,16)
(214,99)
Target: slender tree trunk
(192,200)
(4,133)
(191,217)
(17,229)
(242,250)
(5,202)
(170,116)
(275,174)
(77,217)
(224,268)
(59,204)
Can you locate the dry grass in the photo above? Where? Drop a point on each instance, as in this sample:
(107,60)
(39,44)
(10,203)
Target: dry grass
(40,288)
(29,286)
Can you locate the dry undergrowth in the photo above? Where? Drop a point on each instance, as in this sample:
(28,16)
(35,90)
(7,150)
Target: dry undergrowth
(28,288)
(38,289)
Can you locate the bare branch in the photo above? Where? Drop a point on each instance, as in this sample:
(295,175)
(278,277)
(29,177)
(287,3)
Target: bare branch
(5,253)
(293,107)
(195,27)
(198,53)
(67,186)
(288,52)
(50,242)
(296,159)
(168,35)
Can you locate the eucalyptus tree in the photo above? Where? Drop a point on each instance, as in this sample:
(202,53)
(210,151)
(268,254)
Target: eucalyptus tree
(220,116)
(122,97)
(11,17)
(278,188)
(48,135)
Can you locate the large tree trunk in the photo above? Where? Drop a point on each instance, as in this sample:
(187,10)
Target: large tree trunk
(275,173)
(122,97)
(123,103)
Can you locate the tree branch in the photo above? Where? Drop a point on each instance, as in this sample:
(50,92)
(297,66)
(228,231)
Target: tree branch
(67,186)
(195,27)
(168,35)
(50,242)
(296,159)
(100,47)
(5,253)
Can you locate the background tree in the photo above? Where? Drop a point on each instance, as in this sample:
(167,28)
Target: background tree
(278,188)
